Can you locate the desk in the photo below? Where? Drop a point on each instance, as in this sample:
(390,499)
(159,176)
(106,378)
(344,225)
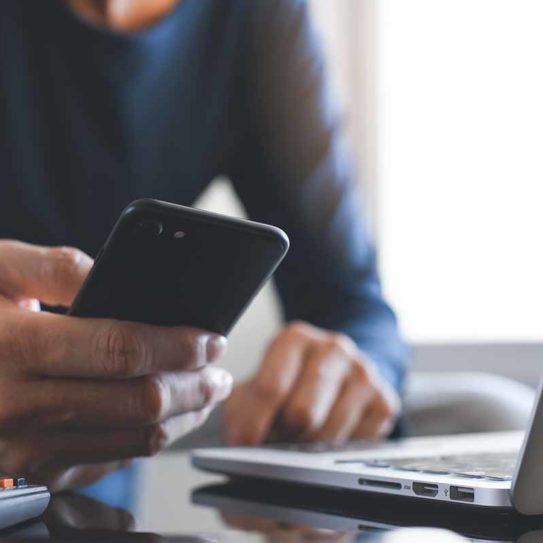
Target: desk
(180,503)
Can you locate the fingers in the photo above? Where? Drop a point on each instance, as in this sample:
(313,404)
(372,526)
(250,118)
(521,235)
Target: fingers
(44,344)
(111,404)
(317,389)
(344,418)
(63,449)
(267,392)
(378,420)
(51,274)
(313,385)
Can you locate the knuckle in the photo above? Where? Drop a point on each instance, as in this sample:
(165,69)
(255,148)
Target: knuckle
(268,390)
(341,342)
(119,352)
(62,263)
(153,399)
(327,351)
(206,391)
(360,372)
(155,439)
(297,329)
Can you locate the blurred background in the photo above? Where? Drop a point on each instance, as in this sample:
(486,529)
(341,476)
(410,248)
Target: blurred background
(443,111)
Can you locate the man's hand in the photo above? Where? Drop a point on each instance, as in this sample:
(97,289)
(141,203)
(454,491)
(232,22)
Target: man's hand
(81,397)
(313,385)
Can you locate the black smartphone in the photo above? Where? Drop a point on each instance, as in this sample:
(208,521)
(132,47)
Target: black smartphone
(171,265)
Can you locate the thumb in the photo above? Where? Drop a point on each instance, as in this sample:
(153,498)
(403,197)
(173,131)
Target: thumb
(53,275)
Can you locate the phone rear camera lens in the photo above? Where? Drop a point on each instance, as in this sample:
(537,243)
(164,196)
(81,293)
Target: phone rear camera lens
(148,229)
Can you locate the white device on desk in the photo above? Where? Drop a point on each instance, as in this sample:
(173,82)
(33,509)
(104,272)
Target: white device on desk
(484,470)
(20,502)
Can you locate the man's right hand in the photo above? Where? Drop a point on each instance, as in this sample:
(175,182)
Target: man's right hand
(81,397)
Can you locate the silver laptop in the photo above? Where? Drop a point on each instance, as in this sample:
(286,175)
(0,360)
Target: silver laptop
(488,470)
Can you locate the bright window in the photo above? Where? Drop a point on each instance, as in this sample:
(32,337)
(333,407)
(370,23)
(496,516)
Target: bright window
(444,102)
(460,184)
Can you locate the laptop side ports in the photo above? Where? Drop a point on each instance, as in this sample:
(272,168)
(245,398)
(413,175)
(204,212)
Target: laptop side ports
(425,489)
(380,484)
(462,494)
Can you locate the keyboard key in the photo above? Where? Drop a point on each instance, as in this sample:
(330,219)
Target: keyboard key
(471,475)
(472,466)
(377,464)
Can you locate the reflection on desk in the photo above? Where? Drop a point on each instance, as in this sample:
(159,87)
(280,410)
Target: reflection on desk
(279,509)
(260,512)
(74,518)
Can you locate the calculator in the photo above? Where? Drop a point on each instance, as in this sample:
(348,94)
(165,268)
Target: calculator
(20,502)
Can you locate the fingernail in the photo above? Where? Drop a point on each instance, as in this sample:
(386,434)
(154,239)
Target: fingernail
(222,383)
(215,348)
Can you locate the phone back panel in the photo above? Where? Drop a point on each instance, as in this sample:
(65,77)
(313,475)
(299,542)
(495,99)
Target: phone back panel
(202,270)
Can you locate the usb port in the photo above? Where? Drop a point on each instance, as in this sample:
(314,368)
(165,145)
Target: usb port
(425,489)
(462,494)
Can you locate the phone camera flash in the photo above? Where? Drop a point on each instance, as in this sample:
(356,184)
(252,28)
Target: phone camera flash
(179,234)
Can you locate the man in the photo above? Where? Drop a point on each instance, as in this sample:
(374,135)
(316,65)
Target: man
(105,101)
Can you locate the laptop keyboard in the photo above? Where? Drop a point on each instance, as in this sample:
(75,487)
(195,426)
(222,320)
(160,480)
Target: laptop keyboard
(495,466)
(331,446)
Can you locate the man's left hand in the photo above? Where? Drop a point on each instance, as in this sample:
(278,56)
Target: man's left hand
(313,385)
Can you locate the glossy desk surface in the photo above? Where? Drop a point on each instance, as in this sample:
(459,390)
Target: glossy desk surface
(180,504)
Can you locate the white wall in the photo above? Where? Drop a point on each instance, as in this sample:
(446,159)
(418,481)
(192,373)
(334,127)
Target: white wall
(454,154)
(461,167)
(348,30)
